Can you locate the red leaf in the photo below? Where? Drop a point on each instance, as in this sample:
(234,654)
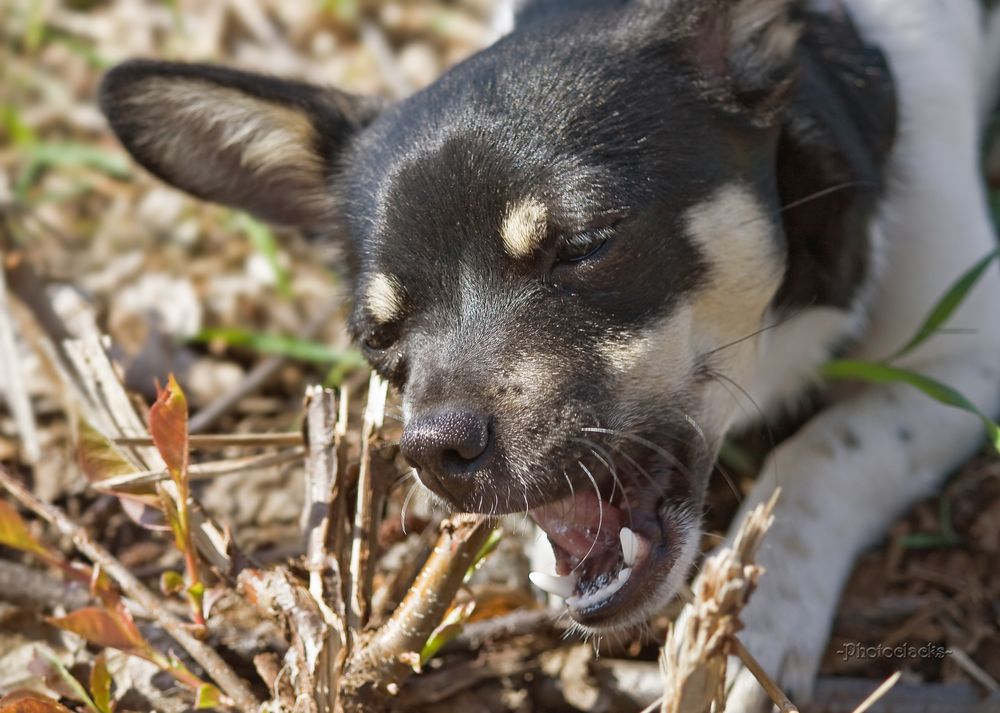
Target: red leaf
(30,702)
(104,627)
(14,533)
(168,425)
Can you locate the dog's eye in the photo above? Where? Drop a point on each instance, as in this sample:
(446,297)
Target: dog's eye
(381,338)
(582,246)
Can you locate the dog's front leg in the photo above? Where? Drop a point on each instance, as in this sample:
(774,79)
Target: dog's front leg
(845,477)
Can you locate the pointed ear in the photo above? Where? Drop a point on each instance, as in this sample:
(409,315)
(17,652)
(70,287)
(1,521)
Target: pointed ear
(743,49)
(257,143)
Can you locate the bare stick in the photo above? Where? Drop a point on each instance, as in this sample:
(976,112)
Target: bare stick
(776,695)
(254,381)
(878,693)
(199,471)
(220,441)
(324,496)
(974,670)
(321,479)
(381,663)
(364,531)
(215,667)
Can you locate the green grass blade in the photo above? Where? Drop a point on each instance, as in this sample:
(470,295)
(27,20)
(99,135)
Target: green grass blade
(291,347)
(885,374)
(263,241)
(949,302)
(42,156)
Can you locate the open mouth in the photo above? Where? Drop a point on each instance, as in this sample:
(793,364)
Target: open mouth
(614,547)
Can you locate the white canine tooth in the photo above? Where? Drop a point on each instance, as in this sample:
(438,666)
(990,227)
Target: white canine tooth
(630,545)
(554,584)
(624,574)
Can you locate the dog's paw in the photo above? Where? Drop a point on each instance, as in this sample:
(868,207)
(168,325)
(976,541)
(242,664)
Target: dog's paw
(787,625)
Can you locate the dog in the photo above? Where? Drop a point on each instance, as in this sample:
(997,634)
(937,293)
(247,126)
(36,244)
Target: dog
(580,254)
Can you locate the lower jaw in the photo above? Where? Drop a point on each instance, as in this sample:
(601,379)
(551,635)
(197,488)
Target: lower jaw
(627,604)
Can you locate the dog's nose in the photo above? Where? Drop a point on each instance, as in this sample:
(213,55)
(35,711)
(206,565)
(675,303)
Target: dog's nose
(447,442)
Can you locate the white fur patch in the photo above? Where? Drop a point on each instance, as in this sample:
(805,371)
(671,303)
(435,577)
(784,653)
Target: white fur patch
(523,228)
(384,298)
(736,237)
(657,361)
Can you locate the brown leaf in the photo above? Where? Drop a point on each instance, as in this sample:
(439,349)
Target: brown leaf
(168,425)
(30,702)
(111,627)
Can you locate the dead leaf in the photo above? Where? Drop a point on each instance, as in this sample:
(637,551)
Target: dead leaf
(30,702)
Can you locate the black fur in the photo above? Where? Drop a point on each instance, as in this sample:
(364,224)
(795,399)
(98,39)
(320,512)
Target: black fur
(835,141)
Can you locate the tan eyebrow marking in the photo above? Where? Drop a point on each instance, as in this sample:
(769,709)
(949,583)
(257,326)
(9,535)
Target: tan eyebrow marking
(384,298)
(523,228)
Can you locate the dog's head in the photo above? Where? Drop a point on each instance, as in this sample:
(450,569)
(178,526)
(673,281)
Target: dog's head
(560,253)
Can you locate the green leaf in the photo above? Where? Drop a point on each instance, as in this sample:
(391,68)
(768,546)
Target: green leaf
(290,347)
(175,521)
(262,239)
(492,542)
(79,693)
(171,582)
(885,374)
(949,302)
(208,697)
(447,630)
(927,541)
(946,537)
(100,683)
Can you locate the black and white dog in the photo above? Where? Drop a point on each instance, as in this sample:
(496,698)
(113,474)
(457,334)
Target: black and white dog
(578,252)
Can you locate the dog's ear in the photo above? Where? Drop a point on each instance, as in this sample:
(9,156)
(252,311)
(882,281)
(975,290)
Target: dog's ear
(261,144)
(742,49)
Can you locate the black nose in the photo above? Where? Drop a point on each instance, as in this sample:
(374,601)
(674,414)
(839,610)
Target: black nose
(448,441)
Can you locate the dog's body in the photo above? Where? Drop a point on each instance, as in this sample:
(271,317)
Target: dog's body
(589,252)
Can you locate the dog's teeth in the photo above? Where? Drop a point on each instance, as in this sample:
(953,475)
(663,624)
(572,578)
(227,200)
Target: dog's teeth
(624,575)
(630,546)
(554,584)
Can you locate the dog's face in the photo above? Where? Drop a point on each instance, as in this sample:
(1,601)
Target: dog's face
(560,252)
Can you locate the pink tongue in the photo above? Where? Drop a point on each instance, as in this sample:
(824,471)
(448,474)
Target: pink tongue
(580,525)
